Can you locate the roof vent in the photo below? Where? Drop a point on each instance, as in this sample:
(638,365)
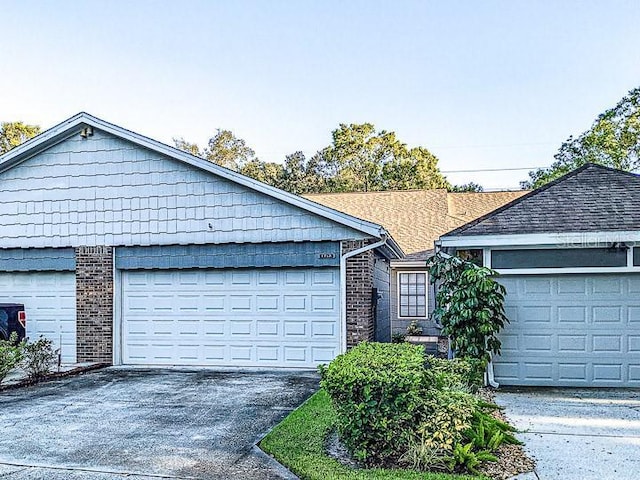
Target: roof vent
(86,132)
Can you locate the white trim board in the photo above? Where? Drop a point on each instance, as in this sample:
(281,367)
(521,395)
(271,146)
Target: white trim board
(561,239)
(76,123)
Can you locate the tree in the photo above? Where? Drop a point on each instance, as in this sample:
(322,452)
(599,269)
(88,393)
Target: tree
(613,140)
(270,173)
(301,175)
(13,134)
(470,305)
(361,159)
(224,149)
(467,187)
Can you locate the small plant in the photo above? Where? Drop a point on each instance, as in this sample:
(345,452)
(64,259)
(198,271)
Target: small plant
(414,329)
(39,358)
(11,354)
(421,455)
(464,456)
(398,337)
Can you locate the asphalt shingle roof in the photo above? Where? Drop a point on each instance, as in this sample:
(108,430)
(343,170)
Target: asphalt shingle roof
(416,218)
(591,198)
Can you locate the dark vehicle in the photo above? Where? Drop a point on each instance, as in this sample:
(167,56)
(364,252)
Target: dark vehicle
(12,319)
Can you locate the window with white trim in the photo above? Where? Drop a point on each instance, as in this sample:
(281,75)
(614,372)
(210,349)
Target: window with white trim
(412,294)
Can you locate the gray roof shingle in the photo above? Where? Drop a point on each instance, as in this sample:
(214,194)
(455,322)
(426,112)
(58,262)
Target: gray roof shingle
(591,198)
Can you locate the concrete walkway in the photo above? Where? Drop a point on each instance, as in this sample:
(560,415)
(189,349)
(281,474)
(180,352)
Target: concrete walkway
(579,434)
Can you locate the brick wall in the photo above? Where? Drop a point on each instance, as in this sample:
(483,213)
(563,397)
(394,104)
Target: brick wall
(94,303)
(360,322)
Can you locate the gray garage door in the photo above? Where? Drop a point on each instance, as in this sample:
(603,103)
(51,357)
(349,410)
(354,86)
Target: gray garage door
(571,330)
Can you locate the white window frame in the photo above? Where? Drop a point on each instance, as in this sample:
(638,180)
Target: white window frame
(426,294)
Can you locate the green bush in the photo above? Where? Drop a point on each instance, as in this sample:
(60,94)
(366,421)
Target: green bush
(11,354)
(456,373)
(39,358)
(377,392)
(394,406)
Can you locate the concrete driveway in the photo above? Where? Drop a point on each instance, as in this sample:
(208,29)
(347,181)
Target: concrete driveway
(126,423)
(578,433)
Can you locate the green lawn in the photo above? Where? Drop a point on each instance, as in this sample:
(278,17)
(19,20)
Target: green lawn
(298,443)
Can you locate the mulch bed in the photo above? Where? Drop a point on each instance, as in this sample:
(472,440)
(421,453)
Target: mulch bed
(27,382)
(512,459)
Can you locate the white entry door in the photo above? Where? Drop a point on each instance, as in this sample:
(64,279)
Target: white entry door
(49,300)
(262,317)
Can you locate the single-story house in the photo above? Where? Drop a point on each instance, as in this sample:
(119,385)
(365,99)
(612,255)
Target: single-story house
(569,256)
(128,251)
(416,219)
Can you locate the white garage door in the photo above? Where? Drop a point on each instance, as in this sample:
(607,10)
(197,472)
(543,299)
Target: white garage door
(49,299)
(571,330)
(266,317)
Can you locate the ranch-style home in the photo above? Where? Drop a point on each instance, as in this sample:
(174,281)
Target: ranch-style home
(127,251)
(569,256)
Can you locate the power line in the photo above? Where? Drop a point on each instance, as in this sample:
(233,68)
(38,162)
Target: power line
(491,170)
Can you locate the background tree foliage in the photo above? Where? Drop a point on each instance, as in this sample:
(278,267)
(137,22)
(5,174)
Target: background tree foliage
(613,140)
(359,159)
(13,134)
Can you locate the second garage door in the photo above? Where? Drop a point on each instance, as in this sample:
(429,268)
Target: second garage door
(571,330)
(260,317)
(49,299)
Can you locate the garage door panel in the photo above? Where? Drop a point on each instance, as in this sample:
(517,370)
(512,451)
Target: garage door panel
(50,304)
(267,317)
(589,340)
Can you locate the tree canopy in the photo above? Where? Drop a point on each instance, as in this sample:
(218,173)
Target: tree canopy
(13,134)
(359,159)
(613,140)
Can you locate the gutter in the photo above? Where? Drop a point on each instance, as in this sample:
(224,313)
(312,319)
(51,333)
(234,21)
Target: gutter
(343,283)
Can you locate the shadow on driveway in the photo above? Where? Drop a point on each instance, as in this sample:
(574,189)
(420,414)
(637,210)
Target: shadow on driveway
(580,434)
(147,423)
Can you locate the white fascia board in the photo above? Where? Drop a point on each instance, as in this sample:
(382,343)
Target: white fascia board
(566,270)
(564,239)
(68,128)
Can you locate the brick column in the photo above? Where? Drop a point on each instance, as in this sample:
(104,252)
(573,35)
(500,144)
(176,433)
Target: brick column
(360,321)
(94,304)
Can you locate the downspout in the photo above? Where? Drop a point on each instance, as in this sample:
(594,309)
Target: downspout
(343,284)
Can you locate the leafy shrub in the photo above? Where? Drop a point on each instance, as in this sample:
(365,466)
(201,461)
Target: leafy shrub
(396,406)
(11,354)
(457,373)
(39,357)
(377,392)
(470,306)
(448,415)
(398,337)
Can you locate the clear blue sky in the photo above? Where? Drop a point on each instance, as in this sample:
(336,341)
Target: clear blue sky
(492,84)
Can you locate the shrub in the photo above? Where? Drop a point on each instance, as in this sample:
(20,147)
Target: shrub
(39,357)
(458,373)
(377,392)
(470,306)
(11,354)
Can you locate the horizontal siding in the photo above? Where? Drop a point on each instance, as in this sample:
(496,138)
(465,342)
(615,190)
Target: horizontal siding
(108,191)
(308,254)
(37,260)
